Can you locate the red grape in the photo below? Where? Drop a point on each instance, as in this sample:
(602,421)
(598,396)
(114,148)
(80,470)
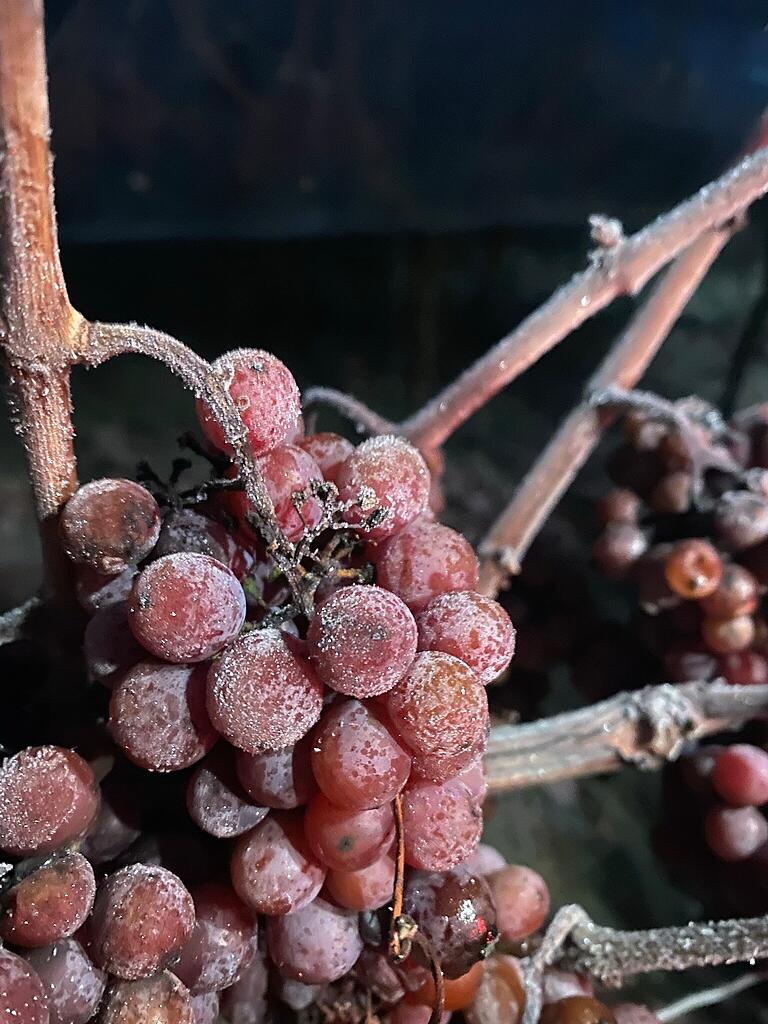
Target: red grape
(329,451)
(215,800)
(618,548)
(278,778)
(741,519)
(442,824)
(458,993)
(266,396)
(273,869)
(558,984)
(94,591)
(726,636)
(366,888)
(577,1010)
(109,646)
(186,607)
(356,760)
(471,627)
(116,824)
(317,944)
(49,903)
(736,594)
(22,997)
(142,917)
(362,640)
(347,840)
(221,942)
(73,986)
(161,999)
(423,560)
(693,569)
(48,797)
(744,668)
(484,860)
(735,833)
(261,694)
(286,470)
(521,898)
(500,998)
(244,1002)
(109,525)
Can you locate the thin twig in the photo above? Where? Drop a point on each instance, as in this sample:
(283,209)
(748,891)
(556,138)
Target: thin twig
(507,541)
(365,420)
(709,997)
(645,728)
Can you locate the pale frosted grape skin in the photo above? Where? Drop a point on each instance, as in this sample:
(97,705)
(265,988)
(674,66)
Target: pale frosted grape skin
(273,870)
(384,472)
(48,797)
(465,764)
(245,1001)
(500,999)
(142,917)
(317,944)
(521,898)
(471,627)
(95,591)
(278,778)
(423,560)
(329,452)
(22,997)
(186,607)
(558,984)
(73,986)
(109,646)
(356,760)
(109,524)
(439,708)
(216,801)
(347,840)
(161,999)
(221,943)
(266,396)
(484,860)
(442,824)
(261,695)
(735,833)
(205,1008)
(362,640)
(49,903)
(296,994)
(367,888)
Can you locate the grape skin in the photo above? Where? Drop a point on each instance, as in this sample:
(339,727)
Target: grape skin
(221,943)
(215,801)
(521,898)
(205,1008)
(740,775)
(278,778)
(366,888)
(470,627)
(347,840)
(316,944)
(22,997)
(735,833)
(442,824)
(161,999)
(49,903)
(73,986)
(500,998)
(109,646)
(458,993)
(329,452)
(245,1001)
(116,825)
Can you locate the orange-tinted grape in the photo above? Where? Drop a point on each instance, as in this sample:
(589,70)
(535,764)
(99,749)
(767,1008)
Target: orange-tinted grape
(367,888)
(693,569)
(500,998)
(49,903)
(458,993)
(577,1010)
(521,898)
(161,999)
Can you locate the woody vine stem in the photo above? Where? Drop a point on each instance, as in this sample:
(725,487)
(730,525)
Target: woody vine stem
(42,337)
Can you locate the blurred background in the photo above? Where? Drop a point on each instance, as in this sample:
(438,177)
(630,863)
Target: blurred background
(377,192)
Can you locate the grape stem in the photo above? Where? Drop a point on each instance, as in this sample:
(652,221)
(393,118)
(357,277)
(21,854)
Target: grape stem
(645,728)
(366,421)
(710,996)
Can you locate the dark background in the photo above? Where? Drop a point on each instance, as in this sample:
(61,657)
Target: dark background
(377,191)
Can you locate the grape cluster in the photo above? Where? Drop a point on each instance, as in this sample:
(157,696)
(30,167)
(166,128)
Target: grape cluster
(228,831)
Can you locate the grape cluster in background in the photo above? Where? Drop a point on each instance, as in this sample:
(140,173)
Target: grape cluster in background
(223,842)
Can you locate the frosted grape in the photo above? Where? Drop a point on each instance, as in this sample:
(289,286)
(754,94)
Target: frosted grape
(278,778)
(347,840)
(329,452)
(22,997)
(317,944)
(49,903)
(73,986)
(216,801)
(442,824)
(161,999)
(221,941)
(470,627)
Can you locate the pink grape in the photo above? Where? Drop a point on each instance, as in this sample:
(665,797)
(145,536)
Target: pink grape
(366,888)
(329,452)
(245,1001)
(109,524)
(157,715)
(521,898)
(362,640)
(500,998)
(221,942)
(735,833)
(357,762)
(386,473)
(442,824)
(48,797)
(278,778)
(288,470)
(471,627)
(187,530)
(109,646)
(94,591)
(273,868)
(347,840)
(161,999)
(423,560)
(559,984)
(186,607)
(266,397)
(484,860)
(261,694)
(740,775)
(22,997)
(317,944)
(73,986)
(49,903)
(142,917)
(216,801)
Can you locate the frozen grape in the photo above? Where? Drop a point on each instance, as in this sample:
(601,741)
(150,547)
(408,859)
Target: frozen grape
(384,473)
(109,646)
(142,917)
(273,869)
(329,451)
(618,548)
(577,1010)
(741,519)
(317,944)
(221,941)
(216,801)
(261,694)
(347,840)
(442,824)
(278,778)
(357,762)
(744,668)
(740,775)
(185,530)
(735,833)
(727,636)
(558,984)
(377,972)
(265,395)
(73,986)
(470,627)
(287,472)
(161,999)
(500,997)
(49,903)
(423,560)
(186,607)
(244,1002)
(109,524)
(484,860)
(618,506)
(521,898)
(48,797)
(296,994)
(736,594)
(116,825)
(22,997)
(693,569)
(364,889)
(157,715)
(362,640)
(205,1008)
(94,591)
(439,708)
